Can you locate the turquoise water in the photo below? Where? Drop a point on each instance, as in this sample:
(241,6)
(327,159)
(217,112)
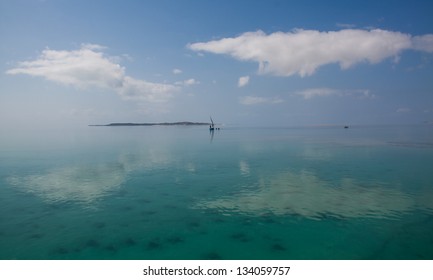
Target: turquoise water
(240,193)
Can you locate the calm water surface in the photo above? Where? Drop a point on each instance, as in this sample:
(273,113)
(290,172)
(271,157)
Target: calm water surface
(240,193)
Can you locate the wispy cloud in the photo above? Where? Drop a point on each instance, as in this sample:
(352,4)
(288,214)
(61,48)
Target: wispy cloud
(302,52)
(403,110)
(317,92)
(345,25)
(423,43)
(243,81)
(254,100)
(177,71)
(88,67)
(189,82)
(322,92)
(133,89)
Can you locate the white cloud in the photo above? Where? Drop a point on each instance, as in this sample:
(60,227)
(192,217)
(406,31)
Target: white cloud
(82,68)
(177,71)
(88,67)
(322,92)
(243,81)
(302,52)
(254,100)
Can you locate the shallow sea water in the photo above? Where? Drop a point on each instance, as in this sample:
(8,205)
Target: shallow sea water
(239,193)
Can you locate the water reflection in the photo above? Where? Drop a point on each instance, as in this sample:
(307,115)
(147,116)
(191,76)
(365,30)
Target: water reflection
(75,183)
(314,153)
(305,194)
(148,159)
(87,182)
(212,133)
(244,168)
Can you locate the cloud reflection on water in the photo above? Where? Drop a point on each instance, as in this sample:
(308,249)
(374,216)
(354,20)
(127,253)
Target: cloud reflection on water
(88,182)
(73,183)
(307,195)
(244,168)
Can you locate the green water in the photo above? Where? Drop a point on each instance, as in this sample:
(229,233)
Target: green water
(239,193)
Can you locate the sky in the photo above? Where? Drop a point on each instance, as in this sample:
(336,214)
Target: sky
(243,62)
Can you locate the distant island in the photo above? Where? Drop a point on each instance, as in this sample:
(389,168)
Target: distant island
(150,124)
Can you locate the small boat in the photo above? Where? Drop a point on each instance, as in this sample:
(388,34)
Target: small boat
(346,126)
(212,126)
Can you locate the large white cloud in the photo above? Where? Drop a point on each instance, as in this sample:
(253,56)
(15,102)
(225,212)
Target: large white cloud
(304,51)
(89,67)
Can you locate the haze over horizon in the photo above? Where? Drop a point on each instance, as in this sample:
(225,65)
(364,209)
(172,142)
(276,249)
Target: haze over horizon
(284,63)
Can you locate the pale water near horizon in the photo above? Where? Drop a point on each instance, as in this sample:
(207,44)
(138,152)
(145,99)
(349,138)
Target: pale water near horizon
(239,193)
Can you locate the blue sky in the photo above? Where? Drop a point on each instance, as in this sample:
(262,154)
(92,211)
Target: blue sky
(244,62)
